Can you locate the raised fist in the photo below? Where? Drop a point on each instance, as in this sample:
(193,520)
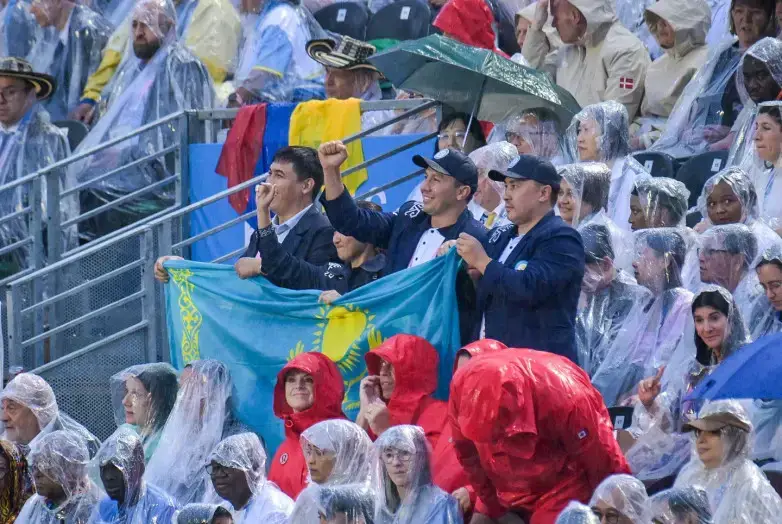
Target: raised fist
(332,154)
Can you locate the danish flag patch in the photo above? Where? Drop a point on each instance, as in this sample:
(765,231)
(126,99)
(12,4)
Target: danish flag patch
(626,83)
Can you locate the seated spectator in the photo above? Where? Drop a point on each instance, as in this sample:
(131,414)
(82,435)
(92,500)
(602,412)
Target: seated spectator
(18,29)
(758,152)
(769,271)
(403,481)
(28,142)
(612,305)
(309,390)
(487,205)
(601,60)
(203,513)
(143,397)
(158,78)
(128,497)
(454,133)
(577,513)
(202,416)
(685,504)
(530,270)
(498,409)
(707,109)
(738,491)
(533,132)
(64,491)
(70,49)
(30,411)
(718,331)
(680,29)
(361,263)
(414,234)
(547,62)
(237,467)
(338,452)
(730,197)
(658,202)
(470,22)
(346,504)
(583,191)
(16,485)
(623,499)
(401,379)
(600,133)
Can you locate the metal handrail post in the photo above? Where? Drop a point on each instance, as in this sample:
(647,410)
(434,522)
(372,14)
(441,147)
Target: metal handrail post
(184,222)
(53,217)
(15,359)
(148,310)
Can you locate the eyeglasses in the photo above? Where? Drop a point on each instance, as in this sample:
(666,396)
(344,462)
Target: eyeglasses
(611,516)
(216,470)
(311,451)
(446,136)
(390,455)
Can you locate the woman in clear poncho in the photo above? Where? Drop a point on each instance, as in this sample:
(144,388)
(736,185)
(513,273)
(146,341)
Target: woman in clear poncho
(600,133)
(143,397)
(65,493)
(715,332)
(769,272)
(623,499)
(686,504)
(730,197)
(758,151)
(487,205)
(403,481)
(238,471)
(346,504)
(337,452)
(720,463)
(129,499)
(532,132)
(30,412)
(202,416)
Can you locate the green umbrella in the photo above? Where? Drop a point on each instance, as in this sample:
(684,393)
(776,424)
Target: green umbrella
(476,81)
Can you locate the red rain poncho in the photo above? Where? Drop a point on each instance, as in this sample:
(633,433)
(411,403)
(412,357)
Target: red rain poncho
(469,22)
(415,363)
(531,432)
(289,468)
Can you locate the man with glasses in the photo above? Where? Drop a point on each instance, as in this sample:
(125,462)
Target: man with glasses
(28,142)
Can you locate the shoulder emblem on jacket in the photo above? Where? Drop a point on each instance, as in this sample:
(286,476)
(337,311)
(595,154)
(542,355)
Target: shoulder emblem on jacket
(497,232)
(414,210)
(333,270)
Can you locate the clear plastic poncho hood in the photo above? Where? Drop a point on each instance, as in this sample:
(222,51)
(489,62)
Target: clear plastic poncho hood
(663,201)
(531,132)
(577,513)
(676,505)
(196,514)
(497,155)
(61,456)
(625,494)
(768,51)
(403,449)
(585,192)
(608,123)
(201,415)
(354,502)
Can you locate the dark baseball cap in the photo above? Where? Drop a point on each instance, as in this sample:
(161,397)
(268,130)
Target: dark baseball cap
(528,167)
(453,163)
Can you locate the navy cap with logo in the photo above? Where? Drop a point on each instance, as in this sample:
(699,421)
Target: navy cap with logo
(453,163)
(528,167)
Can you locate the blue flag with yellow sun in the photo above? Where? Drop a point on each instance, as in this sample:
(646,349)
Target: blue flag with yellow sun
(255,327)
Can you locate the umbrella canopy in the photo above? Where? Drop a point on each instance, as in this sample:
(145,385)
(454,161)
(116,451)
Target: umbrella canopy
(751,372)
(459,75)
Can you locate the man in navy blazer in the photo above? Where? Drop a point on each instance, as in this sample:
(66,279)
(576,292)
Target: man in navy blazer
(531,269)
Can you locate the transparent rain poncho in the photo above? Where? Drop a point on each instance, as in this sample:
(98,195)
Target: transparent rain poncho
(625,494)
(611,303)
(631,15)
(533,132)
(583,192)
(143,503)
(768,51)
(18,29)
(738,491)
(686,504)
(660,449)
(267,504)
(731,197)
(402,455)
(70,58)
(764,173)
(577,513)
(201,418)
(353,503)
(663,202)
(197,514)
(142,397)
(35,145)
(497,155)
(139,93)
(773,319)
(62,457)
(605,137)
(34,393)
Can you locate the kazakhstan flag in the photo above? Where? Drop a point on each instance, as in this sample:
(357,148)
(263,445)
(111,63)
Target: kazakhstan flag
(255,327)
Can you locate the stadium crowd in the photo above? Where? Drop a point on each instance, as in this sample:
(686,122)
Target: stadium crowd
(587,283)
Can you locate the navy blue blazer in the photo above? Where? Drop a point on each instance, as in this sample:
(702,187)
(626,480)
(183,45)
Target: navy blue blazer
(530,301)
(398,232)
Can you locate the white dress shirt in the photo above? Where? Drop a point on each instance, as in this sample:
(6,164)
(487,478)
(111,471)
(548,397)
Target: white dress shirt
(427,247)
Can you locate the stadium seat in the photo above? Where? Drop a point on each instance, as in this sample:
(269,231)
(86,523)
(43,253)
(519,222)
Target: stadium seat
(621,417)
(775,478)
(345,18)
(658,164)
(695,172)
(402,20)
(76,131)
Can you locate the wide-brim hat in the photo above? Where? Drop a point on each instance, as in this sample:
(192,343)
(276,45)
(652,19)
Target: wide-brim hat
(346,53)
(17,68)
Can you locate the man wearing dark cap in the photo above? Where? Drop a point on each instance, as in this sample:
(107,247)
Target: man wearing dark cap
(531,269)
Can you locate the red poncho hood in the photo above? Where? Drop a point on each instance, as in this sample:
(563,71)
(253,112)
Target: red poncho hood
(470,22)
(479,347)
